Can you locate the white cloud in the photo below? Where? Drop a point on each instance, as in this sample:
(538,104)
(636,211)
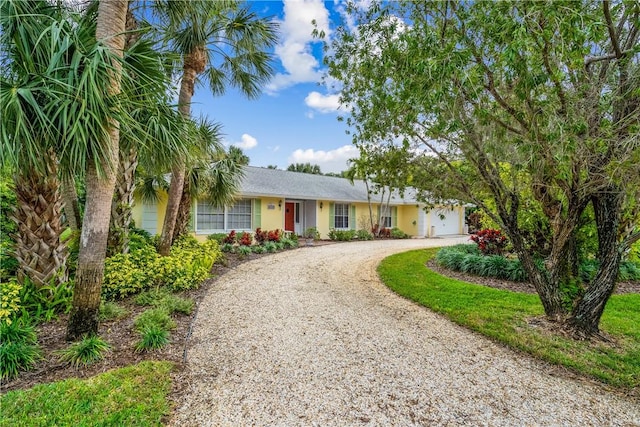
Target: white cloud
(247,142)
(295,50)
(329,161)
(323,103)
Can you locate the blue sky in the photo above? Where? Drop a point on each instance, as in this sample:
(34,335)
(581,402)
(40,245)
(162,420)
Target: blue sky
(295,120)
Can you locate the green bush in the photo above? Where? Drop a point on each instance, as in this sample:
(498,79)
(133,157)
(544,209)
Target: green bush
(44,303)
(217,237)
(244,250)
(270,246)
(467,259)
(342,235)
(227,247)
(289,243)
(19,350)
(363,234)
(88,350)
(259,249)
(152,337)
(396,233)
(9,299)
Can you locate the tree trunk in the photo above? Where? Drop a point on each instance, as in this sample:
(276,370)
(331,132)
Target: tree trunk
(41,255)
(184,213)
(125,179)
(71,205)
(93,239)
(585,318)
(178,172)
(122,203)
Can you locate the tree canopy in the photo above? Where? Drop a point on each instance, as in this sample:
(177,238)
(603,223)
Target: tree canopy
(527,102)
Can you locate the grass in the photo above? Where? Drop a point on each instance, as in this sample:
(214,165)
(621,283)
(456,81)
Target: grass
(88,350)
(503,316)
(132,396)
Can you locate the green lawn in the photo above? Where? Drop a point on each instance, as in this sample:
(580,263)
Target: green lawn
(131,396)
(503,315)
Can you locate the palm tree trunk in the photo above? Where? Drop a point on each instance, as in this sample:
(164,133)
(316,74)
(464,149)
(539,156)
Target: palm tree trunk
(71,205)
(122,203)
(41,255)
(184,211)
(178,172)
(93,239)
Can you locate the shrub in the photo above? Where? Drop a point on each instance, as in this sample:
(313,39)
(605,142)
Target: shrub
(341,235)
(259,249)
(270,247)
(289,243)
(261,236)
(217,237)
(46,302)
(490,241)
(243,250)
(230,238)
(396,233)
(154,317)
(227,248)
(124,275)
(274,235)
(18,348)
(363,234)
(9,299)
(246,239)
(152,337)
(84,352)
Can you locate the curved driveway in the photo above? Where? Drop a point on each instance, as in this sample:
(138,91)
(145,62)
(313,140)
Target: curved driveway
(312,338)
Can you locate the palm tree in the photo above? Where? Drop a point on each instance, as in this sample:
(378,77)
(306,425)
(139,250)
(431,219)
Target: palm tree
(110,28)
(213,174)
(224,43)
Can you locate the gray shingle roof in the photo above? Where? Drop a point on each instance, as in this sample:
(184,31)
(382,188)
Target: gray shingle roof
(297,185)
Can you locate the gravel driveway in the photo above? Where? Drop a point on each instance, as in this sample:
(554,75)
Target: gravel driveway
(312,338)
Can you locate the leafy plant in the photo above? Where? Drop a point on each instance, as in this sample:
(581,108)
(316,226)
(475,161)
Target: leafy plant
(152,337)
(490,241)
(311,233)
(341,235)
(88,350)
(109,310)
(261,235)
(230,238)
(363,234)
(244,250)
(227,248)
(274,235)
(19,350)
(246,239)
(259,249)
(396,233)
(46,302)
(9,299)
(217,237)
(289,243)
(270,247)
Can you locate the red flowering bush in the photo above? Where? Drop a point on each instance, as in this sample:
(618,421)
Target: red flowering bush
(274,235)
(246,239)
(260,235)
(490,241)
(231,237)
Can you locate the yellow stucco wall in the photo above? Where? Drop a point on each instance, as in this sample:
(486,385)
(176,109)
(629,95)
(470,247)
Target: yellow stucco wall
(408,219)
(271,219)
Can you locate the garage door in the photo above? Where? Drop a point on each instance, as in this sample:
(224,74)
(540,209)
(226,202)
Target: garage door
(446,221)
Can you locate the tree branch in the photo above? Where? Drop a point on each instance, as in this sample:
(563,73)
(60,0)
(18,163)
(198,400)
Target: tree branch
(612,31)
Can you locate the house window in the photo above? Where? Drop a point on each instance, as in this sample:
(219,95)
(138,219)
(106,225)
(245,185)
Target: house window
(341,216)
(209,218)
(239,216)
(236,217)
(385,221)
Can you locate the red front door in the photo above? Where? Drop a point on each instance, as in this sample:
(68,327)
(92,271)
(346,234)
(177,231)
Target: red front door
(289,215)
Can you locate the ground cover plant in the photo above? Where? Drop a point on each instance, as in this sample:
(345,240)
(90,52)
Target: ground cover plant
(517,320)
